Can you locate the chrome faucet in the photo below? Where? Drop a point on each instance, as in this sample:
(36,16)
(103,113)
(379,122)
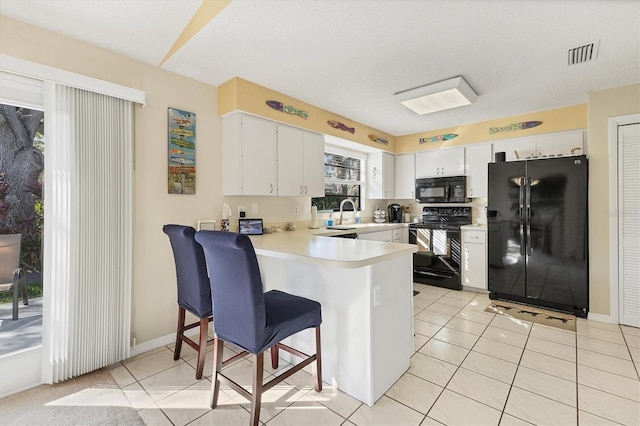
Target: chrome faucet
(342,206)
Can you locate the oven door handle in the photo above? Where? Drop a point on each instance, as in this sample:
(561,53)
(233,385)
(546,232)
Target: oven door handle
(447,192)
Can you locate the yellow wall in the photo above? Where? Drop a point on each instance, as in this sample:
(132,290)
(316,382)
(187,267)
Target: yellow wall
(555,120)
(154,309)
(154,294)
(603,105)
(239,94)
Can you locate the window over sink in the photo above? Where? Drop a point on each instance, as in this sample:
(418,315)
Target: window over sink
(344,173)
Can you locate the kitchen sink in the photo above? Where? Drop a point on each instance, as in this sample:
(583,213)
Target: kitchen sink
(341,228)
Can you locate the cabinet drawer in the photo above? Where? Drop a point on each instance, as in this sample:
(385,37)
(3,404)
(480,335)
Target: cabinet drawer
(474,237)
(397,234)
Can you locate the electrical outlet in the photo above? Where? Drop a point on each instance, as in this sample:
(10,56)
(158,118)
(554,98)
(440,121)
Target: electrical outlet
(376,296)
(241,211)
(305,209)
(296,210)
(254,209)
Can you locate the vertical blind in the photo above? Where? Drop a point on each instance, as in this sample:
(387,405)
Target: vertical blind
(88,215)
(629,223)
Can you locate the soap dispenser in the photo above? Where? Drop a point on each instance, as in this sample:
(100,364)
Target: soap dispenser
(330,221)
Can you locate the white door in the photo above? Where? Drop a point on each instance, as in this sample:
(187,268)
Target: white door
(629,223)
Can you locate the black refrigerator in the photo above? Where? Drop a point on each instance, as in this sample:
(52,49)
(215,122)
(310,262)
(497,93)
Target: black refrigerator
(538,233)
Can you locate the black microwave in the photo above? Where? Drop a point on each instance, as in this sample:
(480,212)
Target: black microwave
(450,189)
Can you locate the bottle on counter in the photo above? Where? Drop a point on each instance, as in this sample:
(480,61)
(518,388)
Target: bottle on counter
(330,221)
(358,220)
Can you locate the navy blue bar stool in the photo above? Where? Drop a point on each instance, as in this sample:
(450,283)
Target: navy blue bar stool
(253,320)
(194,292)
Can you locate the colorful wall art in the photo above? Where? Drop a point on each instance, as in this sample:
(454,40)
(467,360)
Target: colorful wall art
(279,106)
(438,138)
(515,126)
(378,139)
(338,125)
(182,152)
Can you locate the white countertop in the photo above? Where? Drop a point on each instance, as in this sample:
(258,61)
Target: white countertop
(474,227)
(316,246)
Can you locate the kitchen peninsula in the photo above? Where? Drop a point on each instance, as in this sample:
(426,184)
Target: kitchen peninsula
(365,289)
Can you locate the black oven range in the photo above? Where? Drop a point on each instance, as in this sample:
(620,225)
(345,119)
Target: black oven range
(438,259)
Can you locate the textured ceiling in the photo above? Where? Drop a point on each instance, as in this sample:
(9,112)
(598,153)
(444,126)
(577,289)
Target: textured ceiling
(350,57)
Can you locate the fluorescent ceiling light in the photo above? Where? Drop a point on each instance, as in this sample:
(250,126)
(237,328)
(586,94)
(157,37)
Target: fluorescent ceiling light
(446,94)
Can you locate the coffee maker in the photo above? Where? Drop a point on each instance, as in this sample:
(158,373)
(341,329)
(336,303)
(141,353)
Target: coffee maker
(395,213)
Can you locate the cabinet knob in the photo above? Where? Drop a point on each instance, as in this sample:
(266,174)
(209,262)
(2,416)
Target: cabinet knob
(301,190)
(270,188)
(305,190)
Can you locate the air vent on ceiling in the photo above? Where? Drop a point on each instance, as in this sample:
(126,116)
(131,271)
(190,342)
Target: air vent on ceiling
(585,53)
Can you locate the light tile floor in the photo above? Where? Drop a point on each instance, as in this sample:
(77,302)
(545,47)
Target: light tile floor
(469,368)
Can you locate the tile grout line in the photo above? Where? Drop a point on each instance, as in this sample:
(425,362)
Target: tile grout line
(458,367)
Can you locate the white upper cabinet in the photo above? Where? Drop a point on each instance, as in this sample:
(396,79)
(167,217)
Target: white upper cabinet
(290,166)
(551,145)
(381,175)
(313,160)
(444,162)
(516,149)
(261,157)
(560,144)
(477,158)
(405,176)
(248,152)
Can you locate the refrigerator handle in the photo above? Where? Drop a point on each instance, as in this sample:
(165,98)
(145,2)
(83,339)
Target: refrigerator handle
(522,217)
(528,218)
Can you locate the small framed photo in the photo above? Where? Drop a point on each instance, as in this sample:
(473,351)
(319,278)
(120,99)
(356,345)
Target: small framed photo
(250,226)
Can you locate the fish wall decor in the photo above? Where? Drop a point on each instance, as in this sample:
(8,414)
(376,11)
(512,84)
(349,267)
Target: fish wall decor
(338,125)
(279,106)
(515,126)
(438,138)
(375,138)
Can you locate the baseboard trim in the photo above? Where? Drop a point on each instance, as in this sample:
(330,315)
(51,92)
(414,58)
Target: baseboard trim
(160,341)
(602,318)
(153,344)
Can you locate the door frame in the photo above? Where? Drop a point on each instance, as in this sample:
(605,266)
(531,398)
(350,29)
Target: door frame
(614,294)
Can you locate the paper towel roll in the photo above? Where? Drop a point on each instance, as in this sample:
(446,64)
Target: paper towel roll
(314,217)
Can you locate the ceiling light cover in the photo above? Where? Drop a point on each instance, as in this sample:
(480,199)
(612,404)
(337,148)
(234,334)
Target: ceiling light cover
(452,93)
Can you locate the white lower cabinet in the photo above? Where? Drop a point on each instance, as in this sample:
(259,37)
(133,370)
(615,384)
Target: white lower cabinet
(474,258)
(384,236)
(396,235)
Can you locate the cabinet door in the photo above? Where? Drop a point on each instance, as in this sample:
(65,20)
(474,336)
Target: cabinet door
(388,175)
(516,149)
(381,175)
(477,159)
(405,177)
(313,165)
(258,156)
(474,273)
(290,165)
(560,144)
(447,162)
